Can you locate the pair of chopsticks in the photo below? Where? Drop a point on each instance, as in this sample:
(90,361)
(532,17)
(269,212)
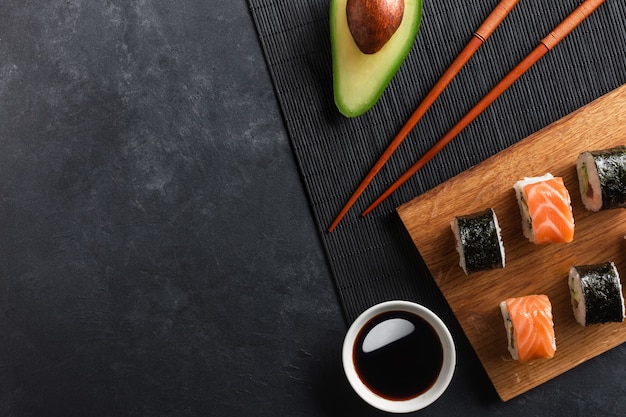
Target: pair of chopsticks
(483,32)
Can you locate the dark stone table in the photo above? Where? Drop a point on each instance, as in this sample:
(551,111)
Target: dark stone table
(158,255)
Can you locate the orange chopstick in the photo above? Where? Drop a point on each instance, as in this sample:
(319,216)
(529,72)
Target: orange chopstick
(482,33)
(549,42)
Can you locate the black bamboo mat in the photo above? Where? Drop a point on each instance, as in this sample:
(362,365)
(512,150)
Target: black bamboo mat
(373,259)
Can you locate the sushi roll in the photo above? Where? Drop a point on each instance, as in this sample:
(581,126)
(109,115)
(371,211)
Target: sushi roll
(602,178)
(529,327)
(478,241)
(596,294)
(546,210)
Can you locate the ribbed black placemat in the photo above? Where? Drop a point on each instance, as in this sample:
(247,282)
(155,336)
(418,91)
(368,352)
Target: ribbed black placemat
(373,259)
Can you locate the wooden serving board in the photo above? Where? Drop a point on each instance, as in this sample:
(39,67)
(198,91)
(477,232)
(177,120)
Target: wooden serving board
(530,268)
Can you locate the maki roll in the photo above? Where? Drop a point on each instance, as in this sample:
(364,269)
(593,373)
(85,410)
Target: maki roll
(596,294)
(602,178)
(478,241)
(546,210)
(529,327)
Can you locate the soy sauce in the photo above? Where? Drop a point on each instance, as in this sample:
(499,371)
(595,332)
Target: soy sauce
(398,355)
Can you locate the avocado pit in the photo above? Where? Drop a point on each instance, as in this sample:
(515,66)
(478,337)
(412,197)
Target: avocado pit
(373,22)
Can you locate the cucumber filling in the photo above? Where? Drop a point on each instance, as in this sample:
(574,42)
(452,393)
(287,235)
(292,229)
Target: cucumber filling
(586,189)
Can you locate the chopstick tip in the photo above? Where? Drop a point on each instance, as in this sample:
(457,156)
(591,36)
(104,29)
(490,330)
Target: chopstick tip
(336,222)
(368,210)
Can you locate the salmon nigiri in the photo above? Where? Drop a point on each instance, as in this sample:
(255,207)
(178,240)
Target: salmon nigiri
(546,209)
(529,327)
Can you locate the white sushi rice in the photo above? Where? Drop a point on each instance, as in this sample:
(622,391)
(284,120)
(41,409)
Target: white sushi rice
(527,220)
(589,181)
(621,294)
(500,243)
(459,245)
(577,297)
(510,334)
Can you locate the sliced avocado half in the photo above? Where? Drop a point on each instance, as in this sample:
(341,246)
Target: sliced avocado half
(360,79)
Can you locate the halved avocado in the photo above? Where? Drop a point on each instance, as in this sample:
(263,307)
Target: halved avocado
(359,79)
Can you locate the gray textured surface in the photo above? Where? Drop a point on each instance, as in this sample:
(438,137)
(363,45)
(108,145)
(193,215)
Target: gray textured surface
(158,256)
(149,264)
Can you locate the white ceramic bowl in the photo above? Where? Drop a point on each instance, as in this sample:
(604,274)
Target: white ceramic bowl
(422,400)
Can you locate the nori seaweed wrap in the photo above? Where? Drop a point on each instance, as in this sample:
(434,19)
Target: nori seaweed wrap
(602,178)
(596,294)
(478,241)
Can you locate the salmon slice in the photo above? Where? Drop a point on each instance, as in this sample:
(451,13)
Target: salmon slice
(530,327)
(550,211)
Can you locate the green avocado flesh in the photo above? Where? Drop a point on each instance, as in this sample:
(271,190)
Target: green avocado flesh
(360,79)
